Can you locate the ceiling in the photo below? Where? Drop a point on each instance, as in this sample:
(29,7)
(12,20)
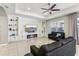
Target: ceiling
(34,9)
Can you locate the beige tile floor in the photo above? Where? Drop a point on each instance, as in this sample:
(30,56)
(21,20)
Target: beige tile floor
(77,50)
(19,48)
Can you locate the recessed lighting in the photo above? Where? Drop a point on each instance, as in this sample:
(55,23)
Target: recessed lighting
(28,8)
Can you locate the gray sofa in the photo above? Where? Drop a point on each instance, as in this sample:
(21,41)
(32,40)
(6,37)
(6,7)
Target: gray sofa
(56,35)
(66,47)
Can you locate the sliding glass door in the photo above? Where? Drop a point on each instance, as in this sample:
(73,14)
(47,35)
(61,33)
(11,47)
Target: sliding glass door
(57,26)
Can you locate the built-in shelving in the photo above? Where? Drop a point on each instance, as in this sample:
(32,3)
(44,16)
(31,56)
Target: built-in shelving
(12,28)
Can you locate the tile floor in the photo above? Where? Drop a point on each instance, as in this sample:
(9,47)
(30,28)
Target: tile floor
(20,48)
(77,50)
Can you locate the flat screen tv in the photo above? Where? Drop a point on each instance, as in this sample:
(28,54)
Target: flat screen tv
(30,28)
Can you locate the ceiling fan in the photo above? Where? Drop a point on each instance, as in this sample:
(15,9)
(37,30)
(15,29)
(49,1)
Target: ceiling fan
(50,9)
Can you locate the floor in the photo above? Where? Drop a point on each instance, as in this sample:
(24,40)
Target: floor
(20,48)
(77,50)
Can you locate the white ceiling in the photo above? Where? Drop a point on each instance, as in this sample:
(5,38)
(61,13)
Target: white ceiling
(35,9)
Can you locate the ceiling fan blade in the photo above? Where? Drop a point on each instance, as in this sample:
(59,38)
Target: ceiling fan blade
(52,6)
(55,10)
(44,8)
(44,12)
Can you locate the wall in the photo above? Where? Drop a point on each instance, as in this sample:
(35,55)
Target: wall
(65,18)
(3,26)
(29,21)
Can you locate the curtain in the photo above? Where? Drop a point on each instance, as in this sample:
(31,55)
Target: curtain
(72,27)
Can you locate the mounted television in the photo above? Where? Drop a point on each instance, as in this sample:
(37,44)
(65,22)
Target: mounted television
(30,28)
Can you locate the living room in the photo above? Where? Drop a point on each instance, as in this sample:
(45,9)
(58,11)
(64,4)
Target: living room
(24,27)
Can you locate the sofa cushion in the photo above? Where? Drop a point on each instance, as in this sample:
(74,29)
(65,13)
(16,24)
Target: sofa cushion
(50,47)
(65,41)
(58,34)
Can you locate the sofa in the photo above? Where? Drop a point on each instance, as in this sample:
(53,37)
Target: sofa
(56,36)
(66,47)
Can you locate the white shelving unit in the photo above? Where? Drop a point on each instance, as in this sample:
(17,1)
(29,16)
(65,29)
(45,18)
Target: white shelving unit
(12,28)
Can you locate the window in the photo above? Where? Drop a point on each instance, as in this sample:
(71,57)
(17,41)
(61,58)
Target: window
(58,26)
(78,24)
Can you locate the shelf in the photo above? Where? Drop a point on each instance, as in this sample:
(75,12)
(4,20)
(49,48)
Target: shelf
(12,27)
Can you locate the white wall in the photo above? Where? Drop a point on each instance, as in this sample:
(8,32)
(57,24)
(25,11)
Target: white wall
(65,18)
(3,26)
(29,21)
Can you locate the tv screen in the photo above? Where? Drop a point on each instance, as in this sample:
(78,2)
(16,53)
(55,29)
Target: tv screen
(30,29)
